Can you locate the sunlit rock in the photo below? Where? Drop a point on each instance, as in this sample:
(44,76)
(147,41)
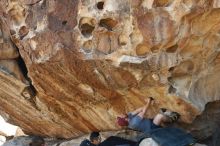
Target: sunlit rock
(70,67)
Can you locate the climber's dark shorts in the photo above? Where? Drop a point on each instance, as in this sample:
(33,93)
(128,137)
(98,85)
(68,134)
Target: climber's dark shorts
(141,124)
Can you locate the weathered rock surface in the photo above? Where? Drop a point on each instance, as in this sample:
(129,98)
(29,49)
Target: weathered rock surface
(69,67)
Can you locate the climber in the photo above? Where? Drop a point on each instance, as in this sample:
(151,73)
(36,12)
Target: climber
(135,120)
(95,140)
(156,128)
(37,141)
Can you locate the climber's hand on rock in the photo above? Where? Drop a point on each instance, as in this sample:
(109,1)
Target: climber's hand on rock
(149,100)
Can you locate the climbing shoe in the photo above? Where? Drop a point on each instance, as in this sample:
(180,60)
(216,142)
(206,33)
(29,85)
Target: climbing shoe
(174,116)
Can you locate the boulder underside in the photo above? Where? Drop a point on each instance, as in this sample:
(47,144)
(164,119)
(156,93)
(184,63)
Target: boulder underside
(70,67)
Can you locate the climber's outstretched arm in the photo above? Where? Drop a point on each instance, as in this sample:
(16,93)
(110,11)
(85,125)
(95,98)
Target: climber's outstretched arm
(137,111)
(141,111)
(145,108)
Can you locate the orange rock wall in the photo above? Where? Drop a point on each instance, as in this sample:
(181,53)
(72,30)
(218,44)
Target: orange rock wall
(78,64)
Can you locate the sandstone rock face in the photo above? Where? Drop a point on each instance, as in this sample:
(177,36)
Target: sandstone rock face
(69,67)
